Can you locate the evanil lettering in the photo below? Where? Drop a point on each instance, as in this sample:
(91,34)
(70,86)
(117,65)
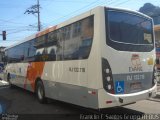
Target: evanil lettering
(135,69)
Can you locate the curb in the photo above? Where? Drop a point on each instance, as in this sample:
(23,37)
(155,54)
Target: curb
(156,99)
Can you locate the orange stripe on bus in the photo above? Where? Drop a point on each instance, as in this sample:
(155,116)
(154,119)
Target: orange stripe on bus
(46,31)
(34,70)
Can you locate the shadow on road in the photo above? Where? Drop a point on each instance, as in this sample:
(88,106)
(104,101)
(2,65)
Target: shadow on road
(19,101)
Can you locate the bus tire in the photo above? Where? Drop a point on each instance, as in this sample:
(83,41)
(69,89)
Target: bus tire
(40,93)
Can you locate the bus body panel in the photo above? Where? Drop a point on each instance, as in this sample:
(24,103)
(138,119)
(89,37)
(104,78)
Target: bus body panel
(18,73)
(146,61)
(73,94)
(124,72)
(75,91)
(94,60)
(107,100)
(65,79)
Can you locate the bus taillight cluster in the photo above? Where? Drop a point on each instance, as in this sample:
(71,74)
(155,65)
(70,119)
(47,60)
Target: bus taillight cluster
(107,76)
(154,79)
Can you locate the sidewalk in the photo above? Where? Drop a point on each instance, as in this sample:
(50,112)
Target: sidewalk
(157,98)
(2,82)
(158,86)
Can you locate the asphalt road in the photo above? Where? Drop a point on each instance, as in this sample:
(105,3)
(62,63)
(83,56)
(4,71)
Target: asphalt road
(16,101)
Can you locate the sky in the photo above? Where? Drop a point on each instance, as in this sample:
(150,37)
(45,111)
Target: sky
(19,25)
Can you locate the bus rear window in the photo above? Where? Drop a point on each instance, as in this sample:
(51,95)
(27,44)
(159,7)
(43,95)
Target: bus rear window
(129,28)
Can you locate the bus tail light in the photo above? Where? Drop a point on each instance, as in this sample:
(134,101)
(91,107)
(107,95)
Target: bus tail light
(107,76)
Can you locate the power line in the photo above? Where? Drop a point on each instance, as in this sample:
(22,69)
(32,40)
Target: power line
(50,3)
(8,21)
(16,17)
(99,2)
(122,2)
(18,31)
(104,2)
(88,6)
(76,11)
(68,1)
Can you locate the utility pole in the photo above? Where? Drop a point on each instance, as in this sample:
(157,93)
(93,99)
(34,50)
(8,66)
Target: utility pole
(35,9)
(39,23)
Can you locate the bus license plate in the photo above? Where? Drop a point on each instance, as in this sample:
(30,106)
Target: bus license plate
(136,85)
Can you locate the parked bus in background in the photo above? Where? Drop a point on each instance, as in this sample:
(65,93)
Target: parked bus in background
(102,58)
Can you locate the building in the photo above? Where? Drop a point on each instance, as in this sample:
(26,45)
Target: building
(157,40)
(157,34)
(1,53)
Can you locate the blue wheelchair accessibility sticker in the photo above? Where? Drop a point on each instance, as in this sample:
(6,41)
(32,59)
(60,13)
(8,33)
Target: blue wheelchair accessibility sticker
(119,87)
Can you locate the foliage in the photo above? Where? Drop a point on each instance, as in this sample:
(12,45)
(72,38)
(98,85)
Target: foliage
(152,11)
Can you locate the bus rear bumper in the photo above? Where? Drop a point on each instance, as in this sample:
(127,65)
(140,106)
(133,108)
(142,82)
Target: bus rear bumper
(107,100)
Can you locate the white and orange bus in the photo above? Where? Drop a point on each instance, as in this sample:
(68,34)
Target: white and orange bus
(102,58)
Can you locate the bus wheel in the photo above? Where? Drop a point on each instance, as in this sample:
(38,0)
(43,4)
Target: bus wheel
(40,92)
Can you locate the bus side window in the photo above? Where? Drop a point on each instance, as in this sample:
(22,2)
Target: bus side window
(52,45)
(52,53)
(79,45)
(76,29)
(38,55)
(40,45)
(44,56)
(86,38)
(31,50)
(60,46)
